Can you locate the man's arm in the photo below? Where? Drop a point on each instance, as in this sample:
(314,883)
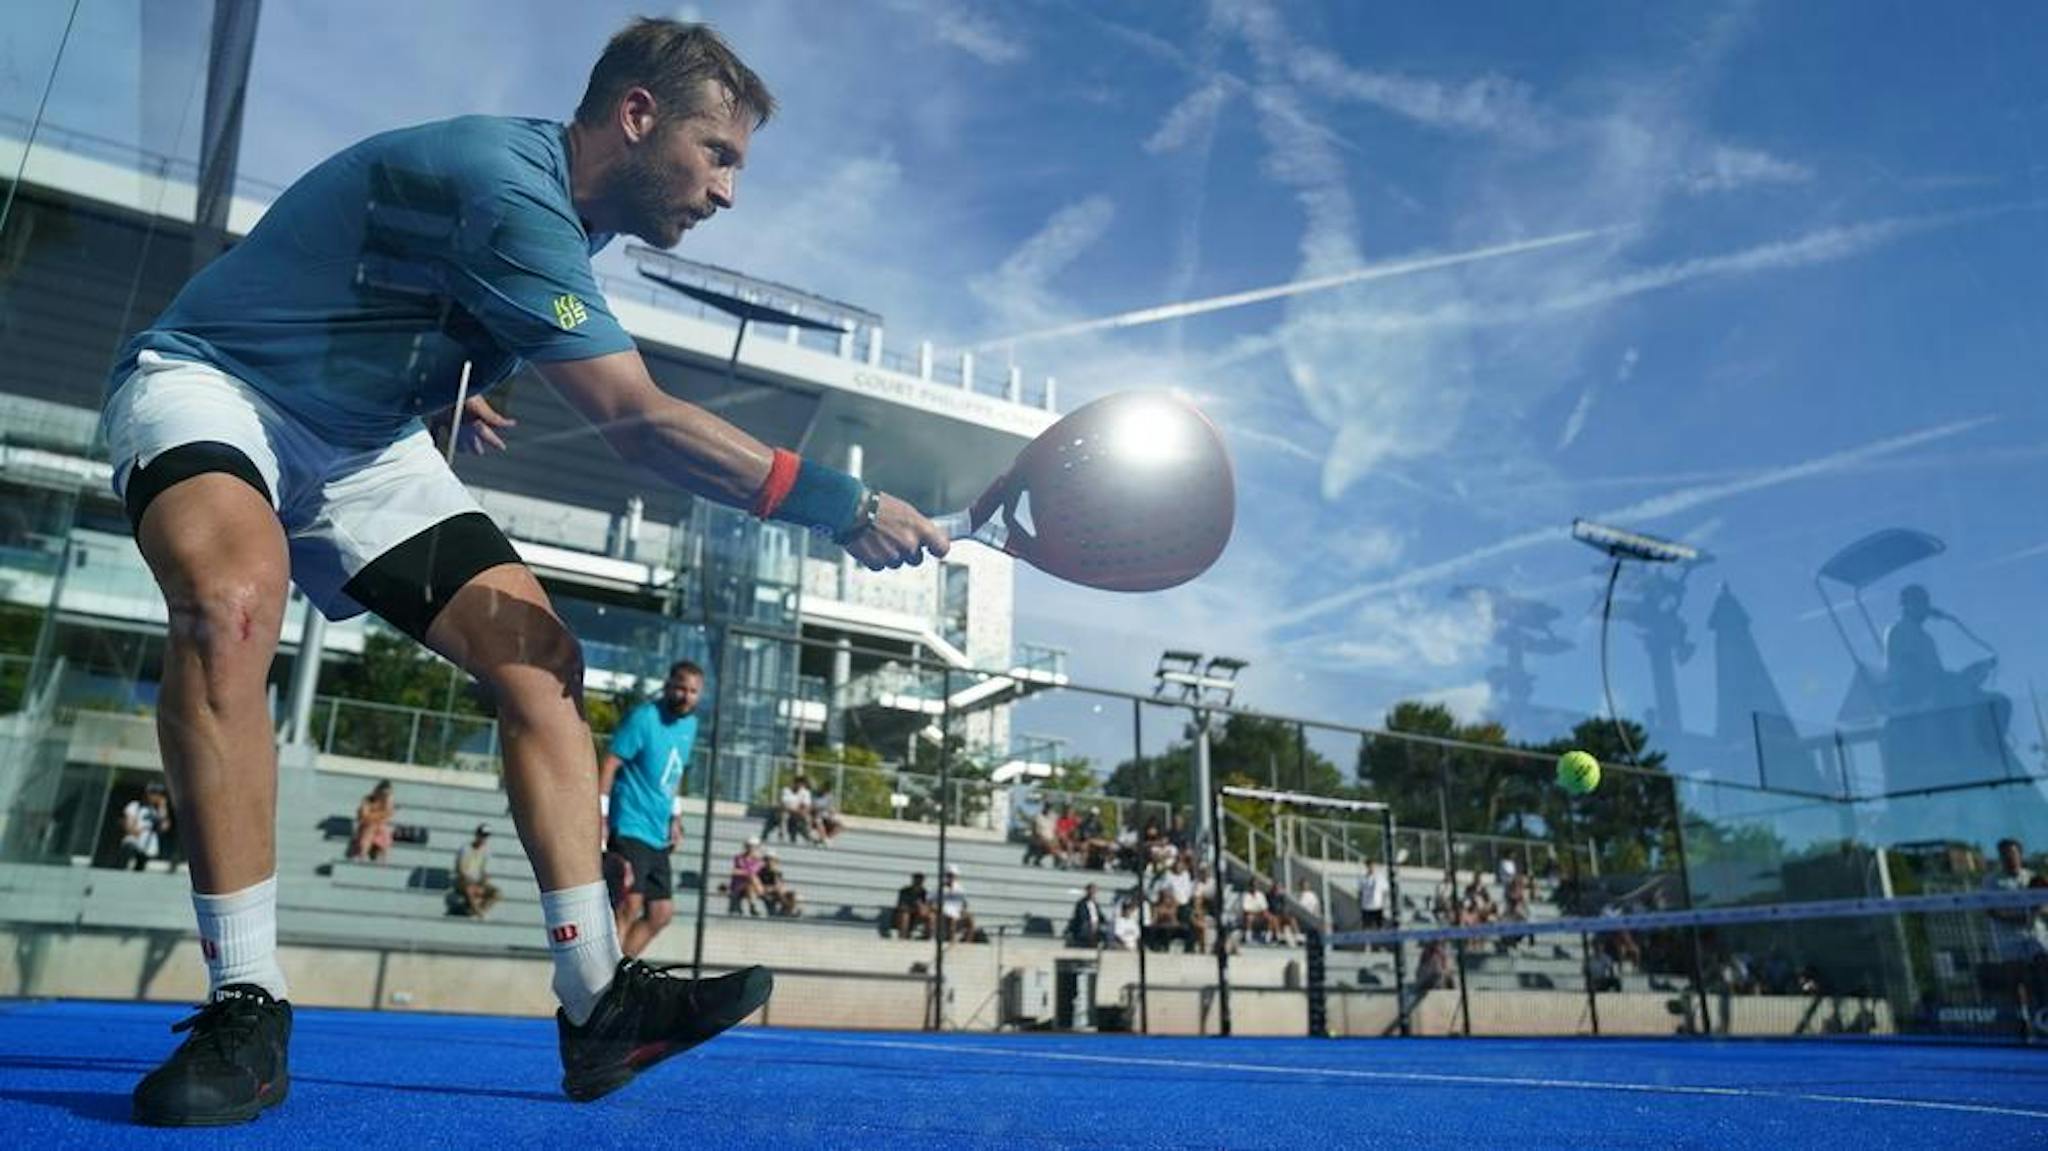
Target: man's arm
(703,454)
(607,771)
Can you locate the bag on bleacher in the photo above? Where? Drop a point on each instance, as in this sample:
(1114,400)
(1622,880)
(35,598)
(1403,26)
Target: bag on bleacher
(411,833)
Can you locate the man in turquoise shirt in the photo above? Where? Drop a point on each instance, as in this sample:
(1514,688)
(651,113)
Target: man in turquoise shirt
(637,789)
(267,430)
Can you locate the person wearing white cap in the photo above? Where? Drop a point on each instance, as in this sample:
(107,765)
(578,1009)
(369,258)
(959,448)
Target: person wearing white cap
(743,886)
(959,923)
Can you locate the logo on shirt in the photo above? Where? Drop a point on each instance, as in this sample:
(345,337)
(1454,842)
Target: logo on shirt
(569,312)
(566,933)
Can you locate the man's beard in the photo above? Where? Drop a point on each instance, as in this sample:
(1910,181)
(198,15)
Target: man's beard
(638,186)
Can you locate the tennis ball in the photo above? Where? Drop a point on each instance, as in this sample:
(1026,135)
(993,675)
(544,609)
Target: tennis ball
(1578,772)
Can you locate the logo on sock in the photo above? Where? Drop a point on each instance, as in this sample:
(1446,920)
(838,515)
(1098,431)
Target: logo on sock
(209,949)
(566,933)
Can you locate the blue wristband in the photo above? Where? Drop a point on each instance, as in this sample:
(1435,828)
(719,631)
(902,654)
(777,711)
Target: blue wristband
(823,498)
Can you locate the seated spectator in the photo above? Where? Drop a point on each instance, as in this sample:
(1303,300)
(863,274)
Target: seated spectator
(1044,839)
(1087,927)
(1518,900)
(1479,900)
(743,886)
(1167,925)
(913,908)
(1180,880)
(1286,928)
(776,893)
(374,817)
(1308,906)
(1179,836)
(1067,832)
(1257,915)
(143,823)
(1093,843)
(1127,850)
(1126,932)
(953,913)
(825,821)
(473,893)
(1159,851)
(792,814)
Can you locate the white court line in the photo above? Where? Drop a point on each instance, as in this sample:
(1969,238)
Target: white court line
(1296,1070)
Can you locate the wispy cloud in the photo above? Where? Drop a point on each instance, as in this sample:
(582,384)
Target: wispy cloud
(1191,119)
(965,27)
(1401,634)
(1725,169)
(1017,291)
(1493,104)
(1821,246)
(1576,422)
(1656,507)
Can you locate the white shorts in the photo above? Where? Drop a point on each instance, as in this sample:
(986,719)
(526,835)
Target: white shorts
(342,508)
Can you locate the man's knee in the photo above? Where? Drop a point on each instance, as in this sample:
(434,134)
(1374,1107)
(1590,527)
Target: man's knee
(227,615)
(660,912)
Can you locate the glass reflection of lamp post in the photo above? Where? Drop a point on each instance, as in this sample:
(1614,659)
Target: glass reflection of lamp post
(1621,545)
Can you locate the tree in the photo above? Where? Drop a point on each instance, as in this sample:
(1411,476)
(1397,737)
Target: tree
(1631,819)
(1486,788)
(408,680)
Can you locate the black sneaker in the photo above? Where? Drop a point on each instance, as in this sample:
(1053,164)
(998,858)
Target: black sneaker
(647,1015)
(228,1070)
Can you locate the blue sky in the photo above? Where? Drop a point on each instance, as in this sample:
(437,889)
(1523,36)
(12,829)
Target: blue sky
(1810,303)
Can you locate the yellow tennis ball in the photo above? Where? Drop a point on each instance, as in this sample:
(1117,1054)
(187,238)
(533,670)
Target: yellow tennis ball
(1578,772)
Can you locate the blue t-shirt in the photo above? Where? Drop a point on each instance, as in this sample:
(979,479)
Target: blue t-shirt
(653,755)
(354,301)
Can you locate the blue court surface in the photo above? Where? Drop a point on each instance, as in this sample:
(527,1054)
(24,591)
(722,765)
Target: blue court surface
(364,1080)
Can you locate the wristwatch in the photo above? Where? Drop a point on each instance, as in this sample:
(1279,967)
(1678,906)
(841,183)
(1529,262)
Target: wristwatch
(863,517)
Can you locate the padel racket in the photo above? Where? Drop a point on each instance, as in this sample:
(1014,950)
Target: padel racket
(1133,492)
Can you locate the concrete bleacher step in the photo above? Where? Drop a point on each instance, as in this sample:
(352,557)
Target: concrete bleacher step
(853,882)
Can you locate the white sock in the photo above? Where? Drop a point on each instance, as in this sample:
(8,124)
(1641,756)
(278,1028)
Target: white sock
(238,936)
(585,943)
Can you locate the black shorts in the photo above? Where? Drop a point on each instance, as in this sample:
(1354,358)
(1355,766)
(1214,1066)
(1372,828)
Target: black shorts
(651,877)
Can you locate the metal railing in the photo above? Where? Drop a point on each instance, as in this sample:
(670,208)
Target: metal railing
(364,730)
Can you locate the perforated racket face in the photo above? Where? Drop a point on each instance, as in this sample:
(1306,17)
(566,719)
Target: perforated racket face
(1133,492)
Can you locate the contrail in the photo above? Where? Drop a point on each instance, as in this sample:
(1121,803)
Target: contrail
(1384,271)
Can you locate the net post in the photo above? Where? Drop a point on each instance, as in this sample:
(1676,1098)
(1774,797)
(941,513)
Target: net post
(1443,811)
(1394,918)
(710,800)
(1215,798)
(1571,849)
(940,929)
(1138,814)
(1699,980)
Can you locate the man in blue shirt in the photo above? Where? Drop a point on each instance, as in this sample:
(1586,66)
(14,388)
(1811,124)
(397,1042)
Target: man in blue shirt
(267,428)
(637,788)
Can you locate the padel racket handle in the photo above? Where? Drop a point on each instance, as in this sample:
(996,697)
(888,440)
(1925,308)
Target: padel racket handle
(994,531)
